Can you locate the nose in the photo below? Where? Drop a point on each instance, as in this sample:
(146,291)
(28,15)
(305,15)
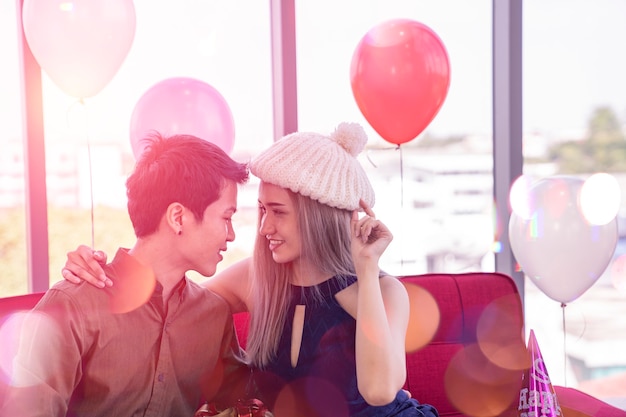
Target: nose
(265,227)
(230,232)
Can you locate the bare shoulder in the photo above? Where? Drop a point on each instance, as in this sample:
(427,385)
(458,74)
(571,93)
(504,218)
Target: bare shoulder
(392,286)
(392,289)
(233,284)
(388,284)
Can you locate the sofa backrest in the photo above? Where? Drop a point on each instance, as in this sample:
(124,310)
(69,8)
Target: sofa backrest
(442,373)
(9,305)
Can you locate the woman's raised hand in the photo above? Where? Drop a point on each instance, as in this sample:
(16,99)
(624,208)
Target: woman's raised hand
(370,236)
(85,264)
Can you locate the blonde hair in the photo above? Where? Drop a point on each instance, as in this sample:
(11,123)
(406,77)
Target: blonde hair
(325,236)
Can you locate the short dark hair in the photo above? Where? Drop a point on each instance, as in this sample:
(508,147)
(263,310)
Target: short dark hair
(179,168)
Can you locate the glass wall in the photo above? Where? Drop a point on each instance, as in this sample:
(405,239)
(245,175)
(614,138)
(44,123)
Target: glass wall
(12,213)
(436,191)
(574,117)
(87,142)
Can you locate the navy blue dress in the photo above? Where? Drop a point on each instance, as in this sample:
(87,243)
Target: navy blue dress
(323,383)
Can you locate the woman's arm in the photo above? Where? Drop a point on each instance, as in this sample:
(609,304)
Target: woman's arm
(382,314)
(233,284)
(382,320)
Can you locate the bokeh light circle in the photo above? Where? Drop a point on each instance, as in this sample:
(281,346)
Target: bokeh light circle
(310,397)
(519,197)
(424,317)
(500,333)
(479,388)
(600,198)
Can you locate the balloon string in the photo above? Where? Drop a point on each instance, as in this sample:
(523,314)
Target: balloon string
(387,148)
(401,179)
(401,198)
(397,148)
(85,132)
(563,305)
(93,233)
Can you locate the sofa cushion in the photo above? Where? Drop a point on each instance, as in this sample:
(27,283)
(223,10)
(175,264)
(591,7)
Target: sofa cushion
(575,403)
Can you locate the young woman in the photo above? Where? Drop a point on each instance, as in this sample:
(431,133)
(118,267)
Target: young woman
(327,328)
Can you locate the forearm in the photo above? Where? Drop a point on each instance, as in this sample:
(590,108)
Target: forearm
(380,362)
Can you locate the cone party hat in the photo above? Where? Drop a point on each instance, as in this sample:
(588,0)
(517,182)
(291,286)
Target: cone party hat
(537,397)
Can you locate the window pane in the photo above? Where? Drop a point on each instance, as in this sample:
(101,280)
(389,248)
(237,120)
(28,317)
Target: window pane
(12,211)
(574,113)
(436,193)
(88,152)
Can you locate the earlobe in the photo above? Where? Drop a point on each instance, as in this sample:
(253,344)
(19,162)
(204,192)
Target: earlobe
(175,213)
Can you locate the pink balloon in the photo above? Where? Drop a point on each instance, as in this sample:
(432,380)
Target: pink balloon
(558,249)
(80,44)
(182,106)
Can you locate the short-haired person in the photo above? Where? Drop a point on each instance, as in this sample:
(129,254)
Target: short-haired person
(327,330)
(168,353)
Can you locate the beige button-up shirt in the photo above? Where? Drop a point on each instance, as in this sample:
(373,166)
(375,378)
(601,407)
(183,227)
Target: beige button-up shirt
(77,358)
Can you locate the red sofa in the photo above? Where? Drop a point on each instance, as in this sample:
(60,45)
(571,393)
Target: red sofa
(451,371)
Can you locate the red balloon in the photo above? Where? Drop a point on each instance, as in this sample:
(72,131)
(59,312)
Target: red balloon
(182,106)
(400,74)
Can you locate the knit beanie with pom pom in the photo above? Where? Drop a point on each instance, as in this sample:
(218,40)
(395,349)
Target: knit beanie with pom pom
(324,168)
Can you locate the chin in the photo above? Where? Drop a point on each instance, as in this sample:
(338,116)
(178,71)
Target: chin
(208,272)
(281,259)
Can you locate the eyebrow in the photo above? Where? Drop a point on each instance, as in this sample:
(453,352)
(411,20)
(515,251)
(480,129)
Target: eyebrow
(272,204)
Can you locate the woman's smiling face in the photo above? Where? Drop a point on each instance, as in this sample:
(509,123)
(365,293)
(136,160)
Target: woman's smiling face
(279,223)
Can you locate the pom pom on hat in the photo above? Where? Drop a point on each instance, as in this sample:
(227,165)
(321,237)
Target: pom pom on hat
(320,167)
(351,137)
